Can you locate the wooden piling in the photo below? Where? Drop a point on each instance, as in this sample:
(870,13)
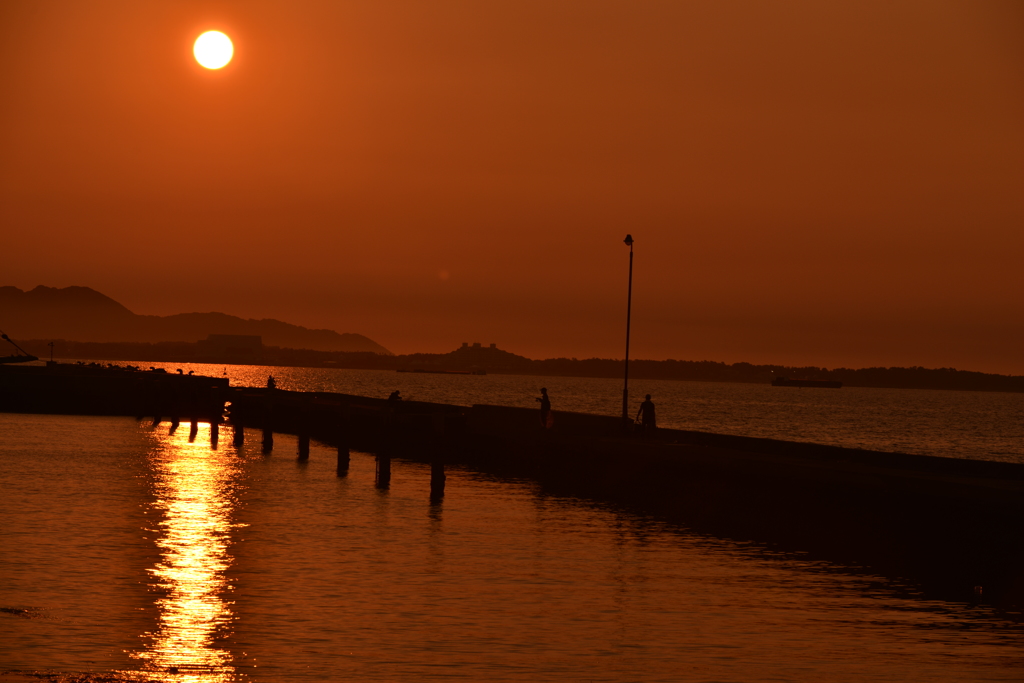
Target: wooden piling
(383,479)
(214,429)
(303,426)
(341,427)
(343,459)
(268,421)
(238,434)
(193,430)
(437,478)
(341,433)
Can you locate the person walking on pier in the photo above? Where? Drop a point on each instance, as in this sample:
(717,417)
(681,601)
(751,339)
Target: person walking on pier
(546,419)
(646,416)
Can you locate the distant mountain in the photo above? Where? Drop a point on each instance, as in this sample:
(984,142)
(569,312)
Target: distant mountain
(83,314)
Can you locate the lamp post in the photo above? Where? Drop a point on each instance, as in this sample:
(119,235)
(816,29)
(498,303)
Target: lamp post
(629,306)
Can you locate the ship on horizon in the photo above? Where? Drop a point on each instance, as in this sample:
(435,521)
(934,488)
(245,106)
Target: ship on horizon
(816,383)
(445,372)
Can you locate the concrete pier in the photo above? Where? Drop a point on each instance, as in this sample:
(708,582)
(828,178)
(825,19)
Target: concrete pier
(926,511)
(93,389)
(963,517)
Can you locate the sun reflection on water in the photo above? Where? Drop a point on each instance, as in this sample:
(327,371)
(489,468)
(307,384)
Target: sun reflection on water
(194,498)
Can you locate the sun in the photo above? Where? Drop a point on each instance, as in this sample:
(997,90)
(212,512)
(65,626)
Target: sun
(213,49)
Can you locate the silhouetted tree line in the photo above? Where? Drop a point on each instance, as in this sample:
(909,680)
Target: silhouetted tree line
(499,361)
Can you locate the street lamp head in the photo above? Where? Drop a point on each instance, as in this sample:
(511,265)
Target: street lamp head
(628,241)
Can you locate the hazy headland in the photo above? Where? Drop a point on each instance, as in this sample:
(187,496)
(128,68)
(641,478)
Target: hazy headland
(85,315)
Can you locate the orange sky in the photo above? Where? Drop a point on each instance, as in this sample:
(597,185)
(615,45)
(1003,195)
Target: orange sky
(807,182)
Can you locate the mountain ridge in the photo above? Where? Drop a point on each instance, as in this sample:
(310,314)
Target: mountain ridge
(84,314)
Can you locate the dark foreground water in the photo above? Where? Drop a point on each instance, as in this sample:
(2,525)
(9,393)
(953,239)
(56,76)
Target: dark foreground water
(124,548)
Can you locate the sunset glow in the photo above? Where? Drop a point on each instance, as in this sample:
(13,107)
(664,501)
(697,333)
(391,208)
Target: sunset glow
(512,340)
(213,50)
(796,197)
(193,486)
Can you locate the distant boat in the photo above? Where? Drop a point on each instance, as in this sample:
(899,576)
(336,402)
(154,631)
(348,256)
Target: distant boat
(446,372)
(23,357)
(17,359)
(817,383)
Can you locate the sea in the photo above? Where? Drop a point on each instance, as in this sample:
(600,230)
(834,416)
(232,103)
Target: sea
(133,552)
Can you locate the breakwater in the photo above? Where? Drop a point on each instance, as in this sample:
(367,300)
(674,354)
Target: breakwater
(93,389)
(954,522)
(944,521)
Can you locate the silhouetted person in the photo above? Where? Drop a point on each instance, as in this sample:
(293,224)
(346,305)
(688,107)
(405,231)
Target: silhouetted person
(271,384)
(545,409)
(646,417)
(395,396)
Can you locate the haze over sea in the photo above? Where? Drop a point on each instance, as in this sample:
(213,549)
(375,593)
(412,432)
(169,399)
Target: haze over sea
(131,549)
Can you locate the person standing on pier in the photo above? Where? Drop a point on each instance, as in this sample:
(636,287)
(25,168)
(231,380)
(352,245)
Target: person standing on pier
(546,419)
(271,384)
(646,416)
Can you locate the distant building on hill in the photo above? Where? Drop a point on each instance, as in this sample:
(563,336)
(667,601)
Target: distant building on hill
(248,346)
(477,356)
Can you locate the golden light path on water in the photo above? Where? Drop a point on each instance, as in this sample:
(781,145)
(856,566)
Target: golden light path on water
(194,497)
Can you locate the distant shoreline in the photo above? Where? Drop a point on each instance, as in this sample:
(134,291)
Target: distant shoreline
(496,361)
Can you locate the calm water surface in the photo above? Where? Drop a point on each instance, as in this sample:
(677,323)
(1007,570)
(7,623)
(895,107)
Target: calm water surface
(127,548)
(961,424)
